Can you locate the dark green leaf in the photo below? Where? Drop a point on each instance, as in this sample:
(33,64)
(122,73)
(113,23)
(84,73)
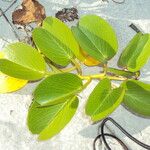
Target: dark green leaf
(137,97)
(103,100)
(57,88)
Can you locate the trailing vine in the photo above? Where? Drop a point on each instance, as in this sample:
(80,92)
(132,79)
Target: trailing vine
(56,61)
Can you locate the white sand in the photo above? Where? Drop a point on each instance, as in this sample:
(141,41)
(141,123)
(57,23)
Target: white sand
(79,134)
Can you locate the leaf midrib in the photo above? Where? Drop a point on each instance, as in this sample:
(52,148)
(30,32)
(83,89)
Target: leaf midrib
(93,44)
(27,67)
(134,98)
(66,50)
(65,95)
(102,102)
(132,57)
(55,116)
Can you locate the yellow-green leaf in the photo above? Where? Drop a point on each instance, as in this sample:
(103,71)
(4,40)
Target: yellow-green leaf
(96,37)
(137,97)
(23,62)
(136,54)
(103,100)
(63,33)
(10,84)
(101,28)
(52,47)
(49,121)
(57,88)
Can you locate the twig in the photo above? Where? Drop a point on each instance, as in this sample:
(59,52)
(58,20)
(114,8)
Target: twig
(77,65)
(8,6)
(7,0)
(15,33)
(135,28)
(4,39)
(123,1)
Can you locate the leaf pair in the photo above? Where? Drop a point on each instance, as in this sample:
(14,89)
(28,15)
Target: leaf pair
(57,93)
(136,54)
(94,35)
(103,100)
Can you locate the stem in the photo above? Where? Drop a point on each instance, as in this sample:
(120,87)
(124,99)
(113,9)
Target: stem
(77,65)
(54,69)
(123,73)
(105,69)
(95,76)
(50,73)
(68,69)
(135,28)
(116,78)
(86,84)
(101,76)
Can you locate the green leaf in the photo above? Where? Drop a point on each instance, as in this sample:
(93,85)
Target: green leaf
(137,97)
(136,54)
(103,100)
(93,45)
(100,27)
(57,88)
(52,47)
(63,33)
(22,61)
(96,37)
(49,121)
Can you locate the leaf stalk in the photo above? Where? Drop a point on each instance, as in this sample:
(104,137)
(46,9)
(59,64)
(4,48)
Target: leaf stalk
(77,65)
(102,76)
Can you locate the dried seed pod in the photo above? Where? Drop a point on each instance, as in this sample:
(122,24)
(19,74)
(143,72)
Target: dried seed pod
(67,14)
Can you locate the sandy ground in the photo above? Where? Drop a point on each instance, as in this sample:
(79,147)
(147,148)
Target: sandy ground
(79,134)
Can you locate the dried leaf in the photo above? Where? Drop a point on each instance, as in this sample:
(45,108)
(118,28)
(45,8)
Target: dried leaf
(32,11)
(88,60)
(67,14)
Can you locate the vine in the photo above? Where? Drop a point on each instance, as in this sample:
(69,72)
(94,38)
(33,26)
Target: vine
(56,61)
